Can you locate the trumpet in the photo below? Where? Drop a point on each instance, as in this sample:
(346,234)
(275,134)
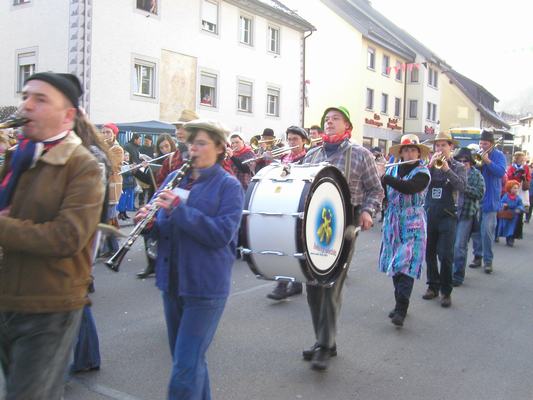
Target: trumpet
(439,162)
(114,262)
(255,143)
(478,155)
(13,121)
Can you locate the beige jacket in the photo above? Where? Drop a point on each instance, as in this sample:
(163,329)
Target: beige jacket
(46,239)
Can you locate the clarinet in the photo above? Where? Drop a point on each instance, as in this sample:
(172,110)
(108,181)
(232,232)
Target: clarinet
(114,262)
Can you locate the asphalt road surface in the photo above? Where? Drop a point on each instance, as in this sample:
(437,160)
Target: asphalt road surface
(480,348)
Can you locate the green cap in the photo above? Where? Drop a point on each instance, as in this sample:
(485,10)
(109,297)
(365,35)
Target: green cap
(343,110)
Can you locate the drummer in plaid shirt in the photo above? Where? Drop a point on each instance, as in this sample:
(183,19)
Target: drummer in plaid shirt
(359,168)
(296,137)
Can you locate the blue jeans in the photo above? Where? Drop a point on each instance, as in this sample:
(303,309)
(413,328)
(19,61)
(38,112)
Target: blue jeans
(191,325)
(483,240)
(34,351)
(87,349)
(462,234)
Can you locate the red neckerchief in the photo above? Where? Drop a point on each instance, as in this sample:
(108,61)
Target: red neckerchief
(291,157)
(242,151)
(337,138)
(511,196)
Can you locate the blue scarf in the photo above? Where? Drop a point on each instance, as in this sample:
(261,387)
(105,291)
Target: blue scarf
(23,158)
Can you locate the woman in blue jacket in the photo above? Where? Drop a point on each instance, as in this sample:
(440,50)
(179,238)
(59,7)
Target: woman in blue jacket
(196,229)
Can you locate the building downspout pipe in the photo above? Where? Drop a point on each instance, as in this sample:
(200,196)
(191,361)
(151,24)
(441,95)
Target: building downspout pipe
(303,78)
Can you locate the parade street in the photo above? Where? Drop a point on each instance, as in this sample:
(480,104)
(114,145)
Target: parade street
(480,348)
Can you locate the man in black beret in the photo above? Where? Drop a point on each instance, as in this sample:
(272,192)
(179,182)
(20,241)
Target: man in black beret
(466,214)
(50,204)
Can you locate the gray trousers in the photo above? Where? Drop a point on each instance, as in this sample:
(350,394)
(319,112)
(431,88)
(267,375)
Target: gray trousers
(35,350)
(325,305)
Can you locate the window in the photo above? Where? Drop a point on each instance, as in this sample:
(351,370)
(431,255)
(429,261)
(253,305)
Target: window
(208,89)
(144,78)
(273,39)
(244,98)
(433,77)
(413,108)
(384,102)
(414,74)
(431,112)
(367,142)
(25,67)
(273,102)
(147,5)
(245,30)
(385,66)
(397,106)
(371,58)
(382,144)
(398,71)
(369,99)
(210,16)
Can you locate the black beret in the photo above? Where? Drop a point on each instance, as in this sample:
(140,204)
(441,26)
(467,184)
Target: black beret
(68,84)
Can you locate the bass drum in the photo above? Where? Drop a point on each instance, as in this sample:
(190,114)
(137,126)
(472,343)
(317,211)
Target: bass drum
(294,222)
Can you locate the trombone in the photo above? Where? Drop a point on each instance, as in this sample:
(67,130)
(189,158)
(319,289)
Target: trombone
(149,162)
(478,155)
(274,153)
(255,143)
(403,162)
(319,141)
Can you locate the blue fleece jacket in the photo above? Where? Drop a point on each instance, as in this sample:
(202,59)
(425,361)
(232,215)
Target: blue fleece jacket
(198,238)
(492,174)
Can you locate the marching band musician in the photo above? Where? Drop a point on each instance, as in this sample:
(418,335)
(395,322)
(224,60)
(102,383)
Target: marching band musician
(45,237)
(267,146)
(238,153)
(467,215)
(315,133)
(296,137)
(359,168)
(196,227)
(403,242)
(444,197)
(493,169)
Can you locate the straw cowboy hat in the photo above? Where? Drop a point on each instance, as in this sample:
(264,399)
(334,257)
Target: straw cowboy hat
(444,135)
(186,116)
(409,140)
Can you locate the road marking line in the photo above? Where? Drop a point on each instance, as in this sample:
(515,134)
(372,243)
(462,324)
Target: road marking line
(252,289)
(105,391)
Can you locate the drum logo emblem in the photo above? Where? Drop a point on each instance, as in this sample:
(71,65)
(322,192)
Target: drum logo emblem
(325,231)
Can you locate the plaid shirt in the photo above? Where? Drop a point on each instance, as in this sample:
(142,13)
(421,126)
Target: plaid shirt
(365,186)
(474,191)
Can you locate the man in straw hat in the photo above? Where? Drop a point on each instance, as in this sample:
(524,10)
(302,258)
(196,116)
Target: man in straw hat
(493,169)
(444,197)
(359,168)
(404,224)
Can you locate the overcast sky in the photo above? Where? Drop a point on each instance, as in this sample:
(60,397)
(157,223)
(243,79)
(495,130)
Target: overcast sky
(490,44)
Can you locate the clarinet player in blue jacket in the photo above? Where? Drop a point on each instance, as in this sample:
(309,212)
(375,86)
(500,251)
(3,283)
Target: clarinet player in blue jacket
(196,228)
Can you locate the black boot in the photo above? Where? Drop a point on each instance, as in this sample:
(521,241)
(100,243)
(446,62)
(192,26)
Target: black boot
(476,262)
(279,292)
(149,270)
(400,311)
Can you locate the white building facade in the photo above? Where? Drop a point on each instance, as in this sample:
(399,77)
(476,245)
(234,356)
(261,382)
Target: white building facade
(239,62)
